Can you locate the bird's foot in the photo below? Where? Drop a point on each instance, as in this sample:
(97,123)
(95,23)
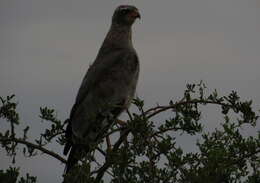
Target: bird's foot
(109,146)
(120,122)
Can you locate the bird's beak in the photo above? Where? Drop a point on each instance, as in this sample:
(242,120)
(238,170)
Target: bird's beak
(136,14)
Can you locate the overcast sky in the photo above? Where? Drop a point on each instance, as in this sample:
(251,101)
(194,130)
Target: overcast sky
(46,47)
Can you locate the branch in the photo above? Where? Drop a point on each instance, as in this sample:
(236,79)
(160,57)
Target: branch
(165,130)
(40,148)
(160,109)
(100,172)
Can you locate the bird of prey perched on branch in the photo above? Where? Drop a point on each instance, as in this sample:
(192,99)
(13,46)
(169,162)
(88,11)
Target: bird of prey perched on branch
(107,88)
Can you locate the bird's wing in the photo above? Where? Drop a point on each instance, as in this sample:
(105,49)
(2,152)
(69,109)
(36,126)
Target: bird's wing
(95,73)
(107,81)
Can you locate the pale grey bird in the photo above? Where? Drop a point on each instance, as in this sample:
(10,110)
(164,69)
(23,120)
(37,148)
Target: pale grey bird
(107,88)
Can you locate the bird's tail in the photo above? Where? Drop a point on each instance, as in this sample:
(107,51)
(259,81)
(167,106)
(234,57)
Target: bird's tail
(74,150)
(76,153)
(68,135)
(72,159)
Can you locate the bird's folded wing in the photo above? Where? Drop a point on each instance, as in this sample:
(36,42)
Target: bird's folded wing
(104,84)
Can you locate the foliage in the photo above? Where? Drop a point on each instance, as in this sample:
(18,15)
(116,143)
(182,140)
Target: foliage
(11,175)
(145,150)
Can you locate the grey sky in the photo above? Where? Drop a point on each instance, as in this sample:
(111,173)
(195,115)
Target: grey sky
(46,47)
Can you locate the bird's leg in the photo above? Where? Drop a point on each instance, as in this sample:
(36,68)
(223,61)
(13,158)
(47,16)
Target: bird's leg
(109,146)
(120,122)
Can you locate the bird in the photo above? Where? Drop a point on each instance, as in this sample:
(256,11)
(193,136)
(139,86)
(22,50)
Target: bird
(107,88)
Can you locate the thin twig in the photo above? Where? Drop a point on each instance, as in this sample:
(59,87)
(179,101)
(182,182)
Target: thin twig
(165,130)
(129,115)
(98,164)
(101,151)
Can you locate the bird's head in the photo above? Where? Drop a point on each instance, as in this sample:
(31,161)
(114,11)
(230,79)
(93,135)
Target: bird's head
(125,15)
